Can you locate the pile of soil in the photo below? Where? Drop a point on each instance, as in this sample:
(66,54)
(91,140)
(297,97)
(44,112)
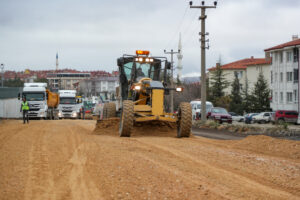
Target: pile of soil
(151,128)
(270,146)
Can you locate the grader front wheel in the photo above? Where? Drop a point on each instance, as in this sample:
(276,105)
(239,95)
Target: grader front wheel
(126,121)
(184,120)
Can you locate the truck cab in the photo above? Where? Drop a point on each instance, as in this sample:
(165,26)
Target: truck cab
(36,97)
(68,107)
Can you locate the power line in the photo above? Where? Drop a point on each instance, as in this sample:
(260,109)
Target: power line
(178,27)
(192,32)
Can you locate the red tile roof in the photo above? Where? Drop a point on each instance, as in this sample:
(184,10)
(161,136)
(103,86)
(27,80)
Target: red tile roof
(43,73)
(242,64)
(287,44)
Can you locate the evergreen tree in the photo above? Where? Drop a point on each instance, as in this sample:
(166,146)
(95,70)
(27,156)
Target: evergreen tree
(218,83)
(261,95)
(236,98)
(247,98)
(17,82)
(41,80)
(223,102)
(208,93)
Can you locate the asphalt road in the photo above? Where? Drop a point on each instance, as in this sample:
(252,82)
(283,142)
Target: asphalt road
(214,134)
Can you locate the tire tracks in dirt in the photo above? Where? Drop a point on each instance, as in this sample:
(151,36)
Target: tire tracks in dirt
(40,183)
(211,172)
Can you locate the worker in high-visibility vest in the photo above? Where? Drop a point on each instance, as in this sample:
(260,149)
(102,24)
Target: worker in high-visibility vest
(25,109)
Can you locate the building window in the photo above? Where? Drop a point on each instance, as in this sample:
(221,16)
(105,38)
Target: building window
(289,97)
(289,76)
(239,74)
(288,56)
(276,56)
(271,76)
(296,54)
(281,76)
(280,56)
(241,87)
(296,75)
(276,77)
(281,97)
(295,96)
(276,97)
(259,68)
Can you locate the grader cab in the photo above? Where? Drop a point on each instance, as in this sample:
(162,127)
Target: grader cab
(142,90)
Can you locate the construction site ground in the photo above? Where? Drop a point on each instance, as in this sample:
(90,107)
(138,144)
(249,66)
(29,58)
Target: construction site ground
(68,159)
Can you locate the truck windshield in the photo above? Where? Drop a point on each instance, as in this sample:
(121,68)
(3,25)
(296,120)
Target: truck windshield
(34,96)
(66,100)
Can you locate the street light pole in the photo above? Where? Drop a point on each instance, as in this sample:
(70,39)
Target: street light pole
(2,77)
(172,82)
(203,48)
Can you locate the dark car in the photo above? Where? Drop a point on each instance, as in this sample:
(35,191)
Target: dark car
(220,115)
(289,116)
(248,117)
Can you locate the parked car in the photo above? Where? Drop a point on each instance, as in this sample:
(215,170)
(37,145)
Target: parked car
(236,117)
(289,116)
(264,117)
(248,117)
(219,114)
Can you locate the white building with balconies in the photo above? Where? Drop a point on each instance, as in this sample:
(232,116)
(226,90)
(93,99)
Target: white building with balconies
(285,75)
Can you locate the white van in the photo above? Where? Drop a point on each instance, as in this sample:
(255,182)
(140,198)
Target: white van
(196,108)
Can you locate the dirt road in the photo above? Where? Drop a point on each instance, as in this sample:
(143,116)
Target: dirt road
(66,159)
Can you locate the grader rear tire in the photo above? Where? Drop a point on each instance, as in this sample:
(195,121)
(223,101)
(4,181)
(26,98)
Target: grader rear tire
(105,111)
(111,111)
(184,120)
(126,121)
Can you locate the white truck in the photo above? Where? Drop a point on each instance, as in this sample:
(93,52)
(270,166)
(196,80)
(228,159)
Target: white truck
(196,108)
(68,106)
(42,102)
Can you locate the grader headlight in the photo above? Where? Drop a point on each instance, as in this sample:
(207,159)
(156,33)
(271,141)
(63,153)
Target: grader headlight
(179,89)
(137,87)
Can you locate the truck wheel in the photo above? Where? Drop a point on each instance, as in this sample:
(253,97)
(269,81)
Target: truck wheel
(111,112)
(184,120)
(127,117)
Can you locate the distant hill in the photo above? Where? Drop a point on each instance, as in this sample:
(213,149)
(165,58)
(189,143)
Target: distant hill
(193,79)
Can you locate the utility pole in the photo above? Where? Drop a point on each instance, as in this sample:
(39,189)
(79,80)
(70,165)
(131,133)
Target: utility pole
(203,48)
(2,77)
(172,82)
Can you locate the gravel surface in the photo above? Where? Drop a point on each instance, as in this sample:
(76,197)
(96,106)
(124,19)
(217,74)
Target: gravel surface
(68,159)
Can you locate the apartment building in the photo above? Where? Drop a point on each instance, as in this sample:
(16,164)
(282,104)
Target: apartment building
(285,75)
(66,81)
(99,85)
(245,69)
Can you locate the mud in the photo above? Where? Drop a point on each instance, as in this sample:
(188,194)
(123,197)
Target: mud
(152,128)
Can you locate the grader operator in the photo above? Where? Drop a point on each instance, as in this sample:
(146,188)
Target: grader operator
(141,94)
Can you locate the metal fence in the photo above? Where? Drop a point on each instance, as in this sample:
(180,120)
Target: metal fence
(10,108)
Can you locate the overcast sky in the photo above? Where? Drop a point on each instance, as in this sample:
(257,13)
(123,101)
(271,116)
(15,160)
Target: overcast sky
(92,34)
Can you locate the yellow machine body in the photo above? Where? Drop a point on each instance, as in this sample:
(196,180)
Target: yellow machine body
(155,111)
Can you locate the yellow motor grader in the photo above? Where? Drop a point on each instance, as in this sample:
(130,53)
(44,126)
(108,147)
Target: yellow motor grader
(141,94)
